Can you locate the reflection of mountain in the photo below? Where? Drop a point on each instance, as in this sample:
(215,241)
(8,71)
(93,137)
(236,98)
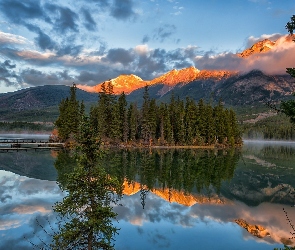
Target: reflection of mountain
(256,230)
(266,174)
(176,196)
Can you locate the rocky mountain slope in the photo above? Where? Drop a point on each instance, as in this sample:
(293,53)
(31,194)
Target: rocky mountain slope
(253,88)
(130,83)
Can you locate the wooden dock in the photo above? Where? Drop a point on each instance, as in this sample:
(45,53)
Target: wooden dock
(12,144)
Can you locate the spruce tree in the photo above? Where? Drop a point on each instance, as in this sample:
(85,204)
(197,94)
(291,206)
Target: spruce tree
(122,105)
(132,122)
(86,212)
(190,121)
(145,126)
(69,116)
(288,107)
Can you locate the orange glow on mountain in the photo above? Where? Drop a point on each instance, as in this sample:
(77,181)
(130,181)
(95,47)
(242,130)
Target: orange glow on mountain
(259,47)
(266,46)
(172,195)
(129,83)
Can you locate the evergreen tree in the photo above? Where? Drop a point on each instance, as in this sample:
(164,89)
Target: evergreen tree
(152,119)
(145,132)
(102,115)
(219,122)
(132,122)
(179,123)
(288,107)
(69,115)
(210,128)
(190,121)
(123,122)
(87,205)
(168,128)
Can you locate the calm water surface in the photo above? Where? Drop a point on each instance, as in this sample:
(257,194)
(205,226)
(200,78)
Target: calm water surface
(174,199)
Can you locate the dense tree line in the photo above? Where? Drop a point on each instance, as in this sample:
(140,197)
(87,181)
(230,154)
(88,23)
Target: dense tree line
(176,123)
(271,128)
(24,126)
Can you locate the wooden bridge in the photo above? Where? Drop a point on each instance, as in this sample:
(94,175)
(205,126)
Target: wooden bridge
(19,144)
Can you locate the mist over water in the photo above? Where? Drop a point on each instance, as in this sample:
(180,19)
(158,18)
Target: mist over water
(25,136)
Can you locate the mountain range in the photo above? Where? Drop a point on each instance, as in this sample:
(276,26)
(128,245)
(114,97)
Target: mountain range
(237,90)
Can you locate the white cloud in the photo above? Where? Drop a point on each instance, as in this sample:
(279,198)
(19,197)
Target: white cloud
(7,38)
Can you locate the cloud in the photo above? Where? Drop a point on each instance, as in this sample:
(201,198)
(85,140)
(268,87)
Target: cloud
(120,56)
(145,39)
(7,75)
(65,18)
(252,40)
(164,32)
(17,10)
(89,24)
(122,9)
(34,77)
(7,38)
(274,61)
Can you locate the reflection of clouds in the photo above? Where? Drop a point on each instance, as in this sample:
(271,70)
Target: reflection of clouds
(6,224)
(25,205)
(268,215)
(27,209)
(22,195)
(158,211)
(260,162)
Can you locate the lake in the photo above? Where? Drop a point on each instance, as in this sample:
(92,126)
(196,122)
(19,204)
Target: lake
(173,199)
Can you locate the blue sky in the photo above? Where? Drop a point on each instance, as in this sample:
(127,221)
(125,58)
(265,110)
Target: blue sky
(89,41)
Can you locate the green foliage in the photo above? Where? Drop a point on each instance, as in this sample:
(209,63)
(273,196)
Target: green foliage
(70,112)
(19,126)
(288,107)
(271,128)
(290,26)
(86,214)
(285,248)
(175,123)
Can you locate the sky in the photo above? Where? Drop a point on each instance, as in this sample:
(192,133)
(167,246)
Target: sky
(53,42)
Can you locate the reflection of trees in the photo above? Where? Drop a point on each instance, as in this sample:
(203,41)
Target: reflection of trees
(173,169)
(86,212)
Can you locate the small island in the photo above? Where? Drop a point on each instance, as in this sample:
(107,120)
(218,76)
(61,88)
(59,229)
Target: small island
(175,124)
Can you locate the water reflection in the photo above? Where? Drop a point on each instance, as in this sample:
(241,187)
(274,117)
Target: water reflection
(186,203)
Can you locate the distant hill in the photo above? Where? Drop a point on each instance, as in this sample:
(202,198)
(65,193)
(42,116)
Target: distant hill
(246,93)
(38,103)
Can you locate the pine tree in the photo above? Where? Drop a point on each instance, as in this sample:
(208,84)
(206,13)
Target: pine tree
(145,132)
(219,122)
(86,211)
(288,107)
(69,116)
(132,122)
(190,121)
(122,104)
(210,128)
